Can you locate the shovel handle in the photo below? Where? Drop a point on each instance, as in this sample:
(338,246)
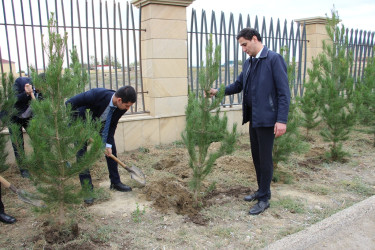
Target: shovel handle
(4,182)
(118,161)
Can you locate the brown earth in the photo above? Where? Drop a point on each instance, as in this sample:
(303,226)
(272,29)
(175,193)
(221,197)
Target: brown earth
(162,213)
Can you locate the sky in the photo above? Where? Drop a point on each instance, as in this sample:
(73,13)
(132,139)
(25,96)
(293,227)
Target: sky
(355,14)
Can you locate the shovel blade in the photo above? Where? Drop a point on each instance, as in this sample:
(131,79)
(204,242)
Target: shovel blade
(137,175)
(29,198)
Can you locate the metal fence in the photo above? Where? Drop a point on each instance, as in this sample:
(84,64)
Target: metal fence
(361,45)
(106,36)
(275,35)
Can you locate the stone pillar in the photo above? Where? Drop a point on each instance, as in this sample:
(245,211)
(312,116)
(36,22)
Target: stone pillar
(164,55)
(315,34)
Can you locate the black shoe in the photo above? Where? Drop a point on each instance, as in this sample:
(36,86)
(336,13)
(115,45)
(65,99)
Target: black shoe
(251,197)
(25,173)
(259,207)
(88,201)
(7,218)
(120,187)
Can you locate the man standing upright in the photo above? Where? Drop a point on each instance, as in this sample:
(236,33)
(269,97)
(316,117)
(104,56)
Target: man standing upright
(266,97)
(108,106)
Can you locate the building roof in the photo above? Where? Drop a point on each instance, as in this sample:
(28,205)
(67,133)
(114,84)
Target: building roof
(6,61)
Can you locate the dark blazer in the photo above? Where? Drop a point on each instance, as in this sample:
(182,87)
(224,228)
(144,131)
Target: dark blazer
(270,93)
(23,100)
(96,101)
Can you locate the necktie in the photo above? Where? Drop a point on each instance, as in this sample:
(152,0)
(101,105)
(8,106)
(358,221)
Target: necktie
(107,123)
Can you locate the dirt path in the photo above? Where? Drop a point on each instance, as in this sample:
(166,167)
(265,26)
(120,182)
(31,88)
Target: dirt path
(120,203)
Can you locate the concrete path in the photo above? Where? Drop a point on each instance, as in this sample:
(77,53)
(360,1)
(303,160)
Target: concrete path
(352,228)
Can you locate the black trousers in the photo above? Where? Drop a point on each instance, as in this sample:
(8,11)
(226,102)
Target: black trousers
(112,165)
(261,140)
(22,123)
(1,203)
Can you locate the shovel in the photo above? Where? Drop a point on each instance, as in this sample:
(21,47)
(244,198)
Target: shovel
(135,173)
(22,195)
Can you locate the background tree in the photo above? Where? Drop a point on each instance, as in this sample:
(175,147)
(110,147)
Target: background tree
(365,99)
(114,63)
(309,102)
(204,128)
(335,88)
(7,101)
(290,142)
(56,137)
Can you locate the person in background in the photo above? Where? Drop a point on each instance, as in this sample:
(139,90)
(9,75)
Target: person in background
(108,106)
(266,98)
(25,92)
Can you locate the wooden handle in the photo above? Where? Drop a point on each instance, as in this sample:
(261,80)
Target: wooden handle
(4,182)
(118,161)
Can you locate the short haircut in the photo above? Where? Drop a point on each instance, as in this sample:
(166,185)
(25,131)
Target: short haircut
(127,94)
(248,34)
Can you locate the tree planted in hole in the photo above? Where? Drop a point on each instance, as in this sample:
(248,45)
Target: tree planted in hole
(204,124)
(56,137)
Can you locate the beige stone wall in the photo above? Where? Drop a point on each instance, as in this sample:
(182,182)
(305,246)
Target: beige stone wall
(135,131)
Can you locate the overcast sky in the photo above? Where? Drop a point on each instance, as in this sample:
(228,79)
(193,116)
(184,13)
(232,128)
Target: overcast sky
(356,14)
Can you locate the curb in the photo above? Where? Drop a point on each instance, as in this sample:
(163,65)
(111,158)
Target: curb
(335,230)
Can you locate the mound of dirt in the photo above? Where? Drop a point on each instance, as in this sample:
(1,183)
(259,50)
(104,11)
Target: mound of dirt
(171,194)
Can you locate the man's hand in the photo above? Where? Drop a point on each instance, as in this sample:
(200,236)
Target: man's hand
(280,129)
(108,151)
(213,92)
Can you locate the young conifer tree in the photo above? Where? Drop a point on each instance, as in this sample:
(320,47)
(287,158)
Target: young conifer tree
(336,89)
(56,137)
(7,101)
(204,127)
(309,102)
(365,99)
(291,141)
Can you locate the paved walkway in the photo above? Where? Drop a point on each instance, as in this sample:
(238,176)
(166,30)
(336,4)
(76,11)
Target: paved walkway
(352,228)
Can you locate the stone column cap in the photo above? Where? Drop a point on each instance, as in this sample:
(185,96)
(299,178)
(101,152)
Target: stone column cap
(184,3)
(312,20)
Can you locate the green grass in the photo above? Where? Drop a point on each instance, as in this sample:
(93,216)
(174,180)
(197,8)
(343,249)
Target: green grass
(290,204)
(357,185)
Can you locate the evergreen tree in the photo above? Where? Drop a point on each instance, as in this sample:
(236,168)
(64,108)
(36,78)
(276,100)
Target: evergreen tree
(56,137)
(309,102)
(202,127)
(291,141)
(336,89)
(7,101)
(365,99)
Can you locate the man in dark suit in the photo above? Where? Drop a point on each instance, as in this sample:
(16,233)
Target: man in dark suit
(108,106)
(3,216)
(266,97)
(25,92)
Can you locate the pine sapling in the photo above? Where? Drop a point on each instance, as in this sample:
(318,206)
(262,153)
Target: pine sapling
(7,101)
(291,141)
(204,124)
(56,137)
(365,99)
(336,88)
